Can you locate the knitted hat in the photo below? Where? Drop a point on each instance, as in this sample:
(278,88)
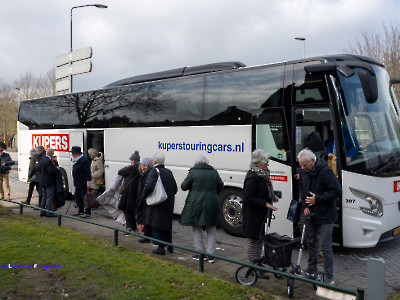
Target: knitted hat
(135,157)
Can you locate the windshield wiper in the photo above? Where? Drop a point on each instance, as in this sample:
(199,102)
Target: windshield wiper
(393,160)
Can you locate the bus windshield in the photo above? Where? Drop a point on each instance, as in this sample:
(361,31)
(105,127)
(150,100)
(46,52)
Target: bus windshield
(371,129)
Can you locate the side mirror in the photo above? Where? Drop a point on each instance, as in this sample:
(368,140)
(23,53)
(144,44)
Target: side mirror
(369,85)
(394,80)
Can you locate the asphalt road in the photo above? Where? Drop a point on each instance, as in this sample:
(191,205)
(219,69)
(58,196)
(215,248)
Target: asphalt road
(350,265)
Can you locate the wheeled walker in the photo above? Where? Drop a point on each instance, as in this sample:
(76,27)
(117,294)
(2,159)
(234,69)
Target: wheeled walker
(277,254)
(318,276)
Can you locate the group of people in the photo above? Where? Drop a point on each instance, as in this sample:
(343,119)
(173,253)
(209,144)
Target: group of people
(319,190)
(44,174)
(201,210)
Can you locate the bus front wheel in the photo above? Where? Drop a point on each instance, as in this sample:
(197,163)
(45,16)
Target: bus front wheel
(231,211)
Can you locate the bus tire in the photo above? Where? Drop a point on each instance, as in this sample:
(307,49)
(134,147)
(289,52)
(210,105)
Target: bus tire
(230,201)
(65,183)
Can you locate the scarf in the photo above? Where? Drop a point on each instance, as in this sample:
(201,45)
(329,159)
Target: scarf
(265,175)
(74,160)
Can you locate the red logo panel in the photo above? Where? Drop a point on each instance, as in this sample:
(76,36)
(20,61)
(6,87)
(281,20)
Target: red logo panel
(396,186)
(278,178)
(58,142)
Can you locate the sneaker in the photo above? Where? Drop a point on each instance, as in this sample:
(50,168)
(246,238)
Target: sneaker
(26,202)
(197,257)
(329,280)
(211,259)
(86,216)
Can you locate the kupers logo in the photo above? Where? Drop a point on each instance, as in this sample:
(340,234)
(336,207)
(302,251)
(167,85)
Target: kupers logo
(58,142)
(396,187)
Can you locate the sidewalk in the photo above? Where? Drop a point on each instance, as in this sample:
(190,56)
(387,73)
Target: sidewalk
(350,265)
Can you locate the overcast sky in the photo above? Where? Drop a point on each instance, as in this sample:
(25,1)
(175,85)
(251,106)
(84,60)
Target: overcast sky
(133,37)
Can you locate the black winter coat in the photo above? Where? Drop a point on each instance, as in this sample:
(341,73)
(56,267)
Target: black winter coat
(323,183)
(255,198)
(48,172)
(81,173)
(131,177)
(160,216)
(38,170)
(141,202)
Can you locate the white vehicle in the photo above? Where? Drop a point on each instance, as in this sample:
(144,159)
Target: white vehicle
(225,111)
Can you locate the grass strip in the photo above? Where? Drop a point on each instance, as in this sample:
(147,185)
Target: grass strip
(94,269)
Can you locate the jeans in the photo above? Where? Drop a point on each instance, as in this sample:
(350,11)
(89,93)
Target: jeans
(47,199)
(324,231)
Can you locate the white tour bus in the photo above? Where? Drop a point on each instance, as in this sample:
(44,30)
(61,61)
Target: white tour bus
(225,111)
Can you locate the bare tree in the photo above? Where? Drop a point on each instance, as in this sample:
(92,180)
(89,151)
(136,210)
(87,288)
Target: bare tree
(30,87)
(8,113)
(383,46)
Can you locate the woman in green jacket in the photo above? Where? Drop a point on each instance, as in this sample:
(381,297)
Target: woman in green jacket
(201,208)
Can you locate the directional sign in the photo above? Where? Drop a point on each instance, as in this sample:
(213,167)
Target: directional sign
(76,55)
(62,85)
(75,69)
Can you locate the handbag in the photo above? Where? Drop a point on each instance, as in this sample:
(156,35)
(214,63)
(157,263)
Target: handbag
(99,181)
(158,195)
(294,211)
(89,200)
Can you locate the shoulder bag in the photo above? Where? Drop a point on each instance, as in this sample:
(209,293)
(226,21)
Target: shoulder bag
(158,195)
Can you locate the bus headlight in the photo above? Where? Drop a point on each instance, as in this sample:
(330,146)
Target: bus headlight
(375,207)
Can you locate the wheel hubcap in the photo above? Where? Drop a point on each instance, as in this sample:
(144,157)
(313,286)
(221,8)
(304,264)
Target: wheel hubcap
(232,210)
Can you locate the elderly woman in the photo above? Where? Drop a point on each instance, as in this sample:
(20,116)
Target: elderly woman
(160,216)
(258,197)
(146,165)
(201,208)
(96,168)
(129,191)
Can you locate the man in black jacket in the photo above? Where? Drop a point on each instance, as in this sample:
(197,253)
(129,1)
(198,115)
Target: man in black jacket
(319,190)
(82,178)
(48,170)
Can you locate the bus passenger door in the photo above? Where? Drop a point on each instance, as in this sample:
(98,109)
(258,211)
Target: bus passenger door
(314,131)
(269,132)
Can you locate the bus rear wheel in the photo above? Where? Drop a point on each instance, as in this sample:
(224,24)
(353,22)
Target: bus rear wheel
(231,211)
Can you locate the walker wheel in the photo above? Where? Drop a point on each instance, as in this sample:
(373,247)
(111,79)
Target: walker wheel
(246,275)
(290,287)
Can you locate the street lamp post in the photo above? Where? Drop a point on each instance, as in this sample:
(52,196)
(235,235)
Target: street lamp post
(70,64)
(304,44)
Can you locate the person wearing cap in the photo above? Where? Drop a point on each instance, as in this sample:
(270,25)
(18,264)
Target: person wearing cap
(129,191)
(82,179)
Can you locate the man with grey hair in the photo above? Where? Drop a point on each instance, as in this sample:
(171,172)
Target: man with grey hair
(48,167)
(160,216)
(319,190)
